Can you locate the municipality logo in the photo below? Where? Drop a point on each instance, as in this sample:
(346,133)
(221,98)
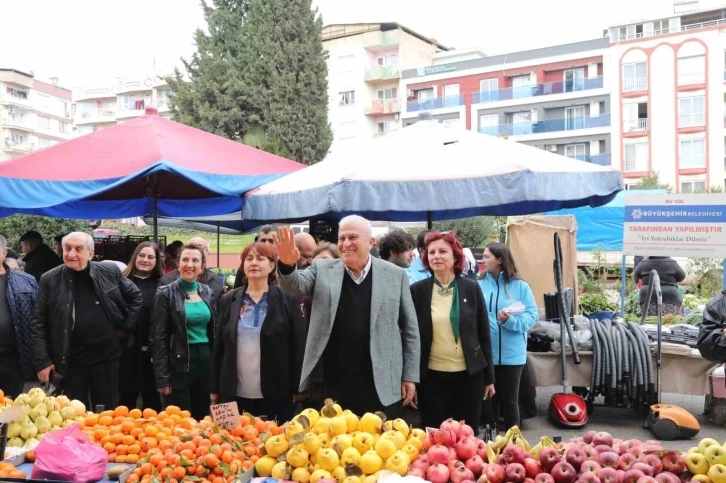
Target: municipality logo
(637,214)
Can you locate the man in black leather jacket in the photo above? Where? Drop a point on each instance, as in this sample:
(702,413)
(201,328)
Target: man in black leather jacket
(85,312)
(712,333)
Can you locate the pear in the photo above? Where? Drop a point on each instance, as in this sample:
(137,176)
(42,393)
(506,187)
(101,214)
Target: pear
(79,407)
(55,418)
(28,431)
(14,430)
(69,413)
(67,422)
(32,443)
(62,401)
(15,443)
(42,424)
(39,411)
(37,398)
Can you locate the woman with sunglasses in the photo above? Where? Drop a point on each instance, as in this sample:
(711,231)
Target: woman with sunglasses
(144,270)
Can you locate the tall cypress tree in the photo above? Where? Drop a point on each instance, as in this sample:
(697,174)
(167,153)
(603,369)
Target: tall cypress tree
(262,68)
(211,93)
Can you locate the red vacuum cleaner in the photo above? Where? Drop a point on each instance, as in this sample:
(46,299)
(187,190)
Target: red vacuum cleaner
(566,409)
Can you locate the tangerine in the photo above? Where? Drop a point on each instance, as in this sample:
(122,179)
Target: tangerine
(133,458)
(109,447)
(173,410)
(149,413)
(121,458)
(105,420)
(135,449)
(91,420)
(135,413)
(128,440)
(210,460)
(122,411)
(179,472)
(132,478)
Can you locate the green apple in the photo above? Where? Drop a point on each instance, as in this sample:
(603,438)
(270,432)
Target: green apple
(715,455)
(717,473)
(705,443)
(701,478)
(697,464)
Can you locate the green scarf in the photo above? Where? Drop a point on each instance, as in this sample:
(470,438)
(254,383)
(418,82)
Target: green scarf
(455,312)
(188,287)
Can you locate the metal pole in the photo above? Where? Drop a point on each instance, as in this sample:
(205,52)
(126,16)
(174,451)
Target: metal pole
(622,289)
(219,247)
(155,212)
(429,220)
(724,273)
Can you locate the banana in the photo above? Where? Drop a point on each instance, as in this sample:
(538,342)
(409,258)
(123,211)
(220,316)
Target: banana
(491,455)
(536,449)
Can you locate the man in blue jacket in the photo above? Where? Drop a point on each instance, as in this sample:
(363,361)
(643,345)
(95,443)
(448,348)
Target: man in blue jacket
(17,303)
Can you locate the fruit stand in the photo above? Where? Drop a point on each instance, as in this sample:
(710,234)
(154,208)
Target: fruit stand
(334,445)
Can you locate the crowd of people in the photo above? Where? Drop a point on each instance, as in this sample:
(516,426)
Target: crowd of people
(411,326)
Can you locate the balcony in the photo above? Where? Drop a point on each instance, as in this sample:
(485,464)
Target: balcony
(550,125)
(381,107)
(382,73)
(384,40)
(130,110)
(96,116)
(17,123)
(635,125)
(665,31)
(599,159)
(536,90)
(635,85)
(16,146)
(691,120)
(11,100)
(435,103)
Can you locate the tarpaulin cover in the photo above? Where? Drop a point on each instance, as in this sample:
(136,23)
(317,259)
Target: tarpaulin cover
(111,173)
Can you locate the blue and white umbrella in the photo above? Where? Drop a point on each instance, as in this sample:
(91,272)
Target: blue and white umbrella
(435,172)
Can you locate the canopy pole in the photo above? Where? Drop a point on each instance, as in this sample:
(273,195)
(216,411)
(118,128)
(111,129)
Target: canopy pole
(429,220)
(623,291)
(219,246)
(155,210)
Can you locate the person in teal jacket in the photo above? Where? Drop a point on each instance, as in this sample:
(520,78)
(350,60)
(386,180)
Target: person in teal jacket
(505,293)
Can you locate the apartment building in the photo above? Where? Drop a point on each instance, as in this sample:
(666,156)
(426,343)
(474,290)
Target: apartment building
(668,99)
(555,98)
(33,114)
(102,105)
(364,76)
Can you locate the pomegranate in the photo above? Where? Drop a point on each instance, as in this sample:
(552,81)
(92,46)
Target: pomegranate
(445,437)
(466,448)
(475,464)
(428,442)
(481,450)
(438,454)
(453,465)
(454,426)
(461,474)
(416,472)
(437,473)
(466,430)
(422,462)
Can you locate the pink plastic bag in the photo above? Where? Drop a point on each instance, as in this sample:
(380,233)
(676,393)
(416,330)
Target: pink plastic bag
(69,455)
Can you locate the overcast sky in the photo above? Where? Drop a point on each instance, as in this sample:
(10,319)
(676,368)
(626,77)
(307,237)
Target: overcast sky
(88,41)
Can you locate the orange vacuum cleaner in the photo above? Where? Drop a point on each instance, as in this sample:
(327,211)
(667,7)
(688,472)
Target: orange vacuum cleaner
(665,421)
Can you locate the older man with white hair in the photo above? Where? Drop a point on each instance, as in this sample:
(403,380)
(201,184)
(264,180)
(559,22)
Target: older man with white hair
(207,277)
(85,312)
(363,341)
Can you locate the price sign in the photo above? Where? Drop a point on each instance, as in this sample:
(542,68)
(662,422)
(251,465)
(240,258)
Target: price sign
(225,415)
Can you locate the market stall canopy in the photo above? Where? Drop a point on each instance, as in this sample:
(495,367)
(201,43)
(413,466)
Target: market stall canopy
(602,227)
(122,170)
(431,170)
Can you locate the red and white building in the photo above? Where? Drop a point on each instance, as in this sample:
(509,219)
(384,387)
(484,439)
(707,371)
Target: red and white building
(33,114)
(556,98)
(668,79)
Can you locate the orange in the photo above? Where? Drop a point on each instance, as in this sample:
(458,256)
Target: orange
(121,458)
(117,438)
(105,413)
(250,433)
(122,450)
(135,413)
(127,426)
(148,443)
(109,447)
(202,450)
(151,430)
(154,460)
(227,456)
(117,420)
(128,440)
(136,432)
(168,422)
(149,413)
(112,457)
(161,436)
(132,479)
(219,479)
(135,449)
(179,472)
(146,469)
(237,431)
(211,460)
(132,458)
(187,423)
(30,456)
(216,438)
(121,411)
(173,410)
(260,425)
(92,420)
(16,474)
(105,420)
(185,414)
(245,420)
(247,464)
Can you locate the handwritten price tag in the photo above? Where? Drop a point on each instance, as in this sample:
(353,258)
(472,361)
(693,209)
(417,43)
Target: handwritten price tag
(225,415)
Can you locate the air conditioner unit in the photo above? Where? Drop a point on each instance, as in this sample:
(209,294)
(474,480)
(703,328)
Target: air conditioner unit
(551,148)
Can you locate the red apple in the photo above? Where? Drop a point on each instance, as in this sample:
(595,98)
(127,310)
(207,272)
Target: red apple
(632,476)
(545,478)
(501,460)
(608,459)
(667,477)
(548,458)
(673,462)
(576,457)
(603,448)
(647,479)
(590,452)
(481,450)
(602,438)
(654,462)
(644,467)
(532,467)
(653,442)
(590,467)
(495,474)
(608,475)
(528,480)
(513,454)
(515,473)
(475,465)
(563,472)
(588,478)
(627,461)
(587,438)
(461,474)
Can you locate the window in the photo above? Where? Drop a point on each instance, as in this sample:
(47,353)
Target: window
(635,116)
(391,93)
(17,93)
(623,33)
(522,122)
(488,90)
(386,127)
(577,151)
(45,142)
(693,187)
(635,77)
(522,86)
(692,111)
(83,130)
(574,80)
(575,118)
(346,98)
(692,70)
(489,124)
(693,153)
(661,27)
(43,122)
(451,95)
(126,103)
(636,157)
(391,60)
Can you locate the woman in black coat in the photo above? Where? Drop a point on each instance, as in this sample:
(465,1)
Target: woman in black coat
(260,341)
(457,372)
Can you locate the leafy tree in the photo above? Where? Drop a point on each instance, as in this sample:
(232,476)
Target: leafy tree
(262,65)
(211,94)
(286,74)
(652,182)
(13,227)
(471,232)
(257,138)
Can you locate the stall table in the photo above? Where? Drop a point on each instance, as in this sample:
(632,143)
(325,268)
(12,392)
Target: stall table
(681,373)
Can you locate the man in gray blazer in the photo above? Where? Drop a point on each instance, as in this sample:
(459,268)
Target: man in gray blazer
(363,334)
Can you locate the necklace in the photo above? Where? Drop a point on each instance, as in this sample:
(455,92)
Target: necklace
(446,291)
(192,296)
